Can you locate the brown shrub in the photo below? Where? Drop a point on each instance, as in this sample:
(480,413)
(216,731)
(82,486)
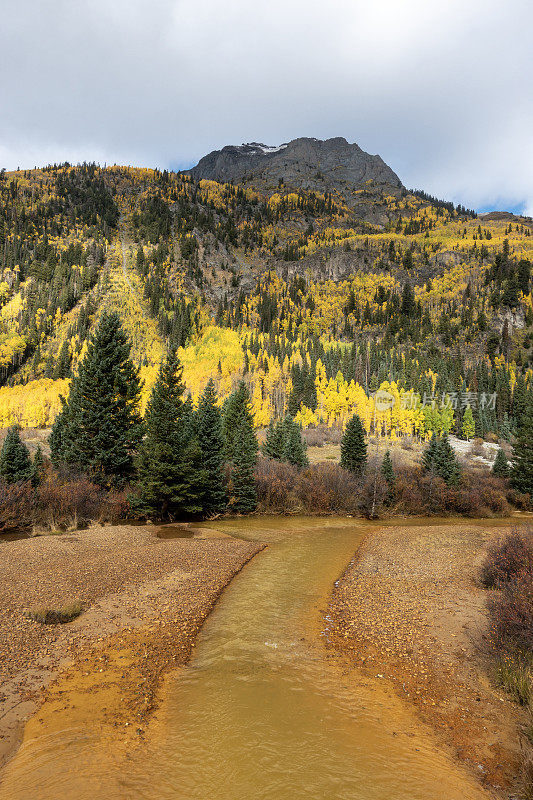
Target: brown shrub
(314,437)
(479,494)
(374,494)
(67,504)
(506,559)
(117,507)
(512,612)
(17,505)
(321,435)
(328,488)
(274,482)
(518,500)
(477,448)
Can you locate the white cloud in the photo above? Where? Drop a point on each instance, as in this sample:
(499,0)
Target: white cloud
(440,90)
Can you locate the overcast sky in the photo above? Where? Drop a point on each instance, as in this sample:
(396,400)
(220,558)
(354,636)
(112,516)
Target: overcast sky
(441,89)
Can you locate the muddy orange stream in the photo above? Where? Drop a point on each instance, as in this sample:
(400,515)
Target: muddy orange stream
(261,712)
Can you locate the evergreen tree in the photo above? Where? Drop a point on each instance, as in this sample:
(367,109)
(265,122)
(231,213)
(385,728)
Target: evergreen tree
(211,441)
(294,446)
(353,446)
(236,410)
(387,470)
(15,463)
(244,495)
(522,469)
(500,468)
(273,445)
(429,458)
(447,466)
(171,478)
(468,427)
(37,465)
(505,427)
(62,365)
(99,427)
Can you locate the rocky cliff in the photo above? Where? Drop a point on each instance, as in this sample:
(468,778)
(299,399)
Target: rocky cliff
(310,164)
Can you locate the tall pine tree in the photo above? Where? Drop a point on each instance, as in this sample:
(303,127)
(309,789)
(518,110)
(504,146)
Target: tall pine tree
(211,441)
(15,463)
(99,427)
(236,409)
(272,447)
(294,446)
(447,466)
(522,469)
(439,458)
(353,446)
(244,495)
(171,478)
(500,468)
(429,457)
(241,449)
(387,470)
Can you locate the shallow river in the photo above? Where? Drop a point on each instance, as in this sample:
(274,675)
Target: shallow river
(261,712)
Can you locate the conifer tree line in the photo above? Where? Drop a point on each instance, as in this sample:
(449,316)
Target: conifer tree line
(185,461)
(284,442)
(175,459)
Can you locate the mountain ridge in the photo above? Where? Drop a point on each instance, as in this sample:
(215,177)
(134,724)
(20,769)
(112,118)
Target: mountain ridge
(303,163)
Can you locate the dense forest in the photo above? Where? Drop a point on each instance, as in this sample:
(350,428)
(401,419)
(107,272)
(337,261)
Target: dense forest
(290,292)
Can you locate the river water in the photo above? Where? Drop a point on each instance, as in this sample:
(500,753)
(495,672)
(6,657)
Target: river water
(261,712)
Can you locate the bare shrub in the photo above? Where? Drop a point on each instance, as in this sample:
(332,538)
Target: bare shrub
(478,494)
(17,505)
(519,500)
(67,504)
(334,435)
(116,507)
(328,488)
(374,493)
(274,483)
(314,437)
(477,448)
(512,612)
(321,435)
(506,559)
(407,443)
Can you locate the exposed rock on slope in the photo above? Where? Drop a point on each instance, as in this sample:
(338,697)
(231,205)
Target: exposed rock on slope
(310,164)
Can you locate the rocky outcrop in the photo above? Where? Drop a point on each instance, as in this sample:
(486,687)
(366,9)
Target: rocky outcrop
(309,164)
(515,319)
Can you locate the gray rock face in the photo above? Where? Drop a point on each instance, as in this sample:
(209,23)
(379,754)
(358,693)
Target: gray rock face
(310,164)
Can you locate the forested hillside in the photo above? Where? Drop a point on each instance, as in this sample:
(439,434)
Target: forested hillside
(294,291)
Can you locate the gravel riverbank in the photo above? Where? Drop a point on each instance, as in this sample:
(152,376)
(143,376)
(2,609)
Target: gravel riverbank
(410,610)
(144,600)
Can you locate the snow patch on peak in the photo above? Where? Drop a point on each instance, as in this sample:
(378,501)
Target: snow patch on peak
(256,148)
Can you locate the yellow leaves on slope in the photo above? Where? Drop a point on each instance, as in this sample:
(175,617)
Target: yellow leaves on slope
(339,399)
(201,360)
(34,405)
(12,347)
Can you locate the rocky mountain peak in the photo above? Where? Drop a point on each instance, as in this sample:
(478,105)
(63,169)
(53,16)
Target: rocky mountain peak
(305,163)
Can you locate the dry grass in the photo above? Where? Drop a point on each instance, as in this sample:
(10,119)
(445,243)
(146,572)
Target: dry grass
(58,615)
(327,452)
